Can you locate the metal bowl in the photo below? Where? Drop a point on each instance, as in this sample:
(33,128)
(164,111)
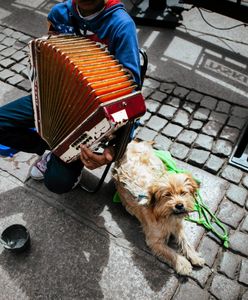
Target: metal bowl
(15,238)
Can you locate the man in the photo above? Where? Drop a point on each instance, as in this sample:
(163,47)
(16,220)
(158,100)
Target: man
(101,20)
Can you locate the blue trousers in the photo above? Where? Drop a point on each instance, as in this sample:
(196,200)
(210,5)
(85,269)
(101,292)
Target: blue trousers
(16,119)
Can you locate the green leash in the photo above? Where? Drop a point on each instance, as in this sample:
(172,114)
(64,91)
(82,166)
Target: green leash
(206,218)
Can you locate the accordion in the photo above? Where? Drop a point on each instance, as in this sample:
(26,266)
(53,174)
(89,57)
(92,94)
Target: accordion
(81,94)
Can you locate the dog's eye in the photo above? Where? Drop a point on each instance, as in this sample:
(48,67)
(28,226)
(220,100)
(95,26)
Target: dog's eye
(167,194)
(183,193)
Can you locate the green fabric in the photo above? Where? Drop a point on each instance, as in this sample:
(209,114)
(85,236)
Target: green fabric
(205,218)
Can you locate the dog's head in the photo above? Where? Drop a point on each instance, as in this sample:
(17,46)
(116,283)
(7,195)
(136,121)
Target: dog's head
(173,195)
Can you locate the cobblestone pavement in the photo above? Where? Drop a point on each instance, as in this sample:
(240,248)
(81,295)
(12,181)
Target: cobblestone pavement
(199,130)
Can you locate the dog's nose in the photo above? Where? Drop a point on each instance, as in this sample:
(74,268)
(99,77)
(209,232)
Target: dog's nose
(179,206)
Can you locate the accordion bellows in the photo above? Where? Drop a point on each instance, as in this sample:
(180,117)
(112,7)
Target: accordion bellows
(81,93)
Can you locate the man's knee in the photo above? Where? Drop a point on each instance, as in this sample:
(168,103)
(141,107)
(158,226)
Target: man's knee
(59,185)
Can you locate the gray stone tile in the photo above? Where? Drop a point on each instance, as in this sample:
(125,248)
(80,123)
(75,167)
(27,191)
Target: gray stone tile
(230,214)
(232,174)
(151,83)
(145,118)
(179,151)
(189,106)
(173,101)
(209,102)
(243,276)
(201,275)
(156,123)
(5,74)
(218,117)
(209,250)
(239,112)
(172,130)
(222,148)
(182,118)
(146,134)
(167,111)
(8,41)
(223,106)
(196,125)
(214,164)
(162,142)
(152,106)
(194,97)
(201,114)
(187,137)
(16,79)
(236,122)
(219,288)
(159,96)
(146,92)
(245,181)
(198,157)
(239,242)
(237,194)
(204,142)
(212,128)
(230,133)
(229,264)
(167,87)
(245,296)
(9,93)
(180,92)
(244,226)
(190,291)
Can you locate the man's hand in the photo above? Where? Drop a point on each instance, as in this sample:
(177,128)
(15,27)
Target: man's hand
(92,160)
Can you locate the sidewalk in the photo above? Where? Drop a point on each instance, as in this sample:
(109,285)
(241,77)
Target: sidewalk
(87,247)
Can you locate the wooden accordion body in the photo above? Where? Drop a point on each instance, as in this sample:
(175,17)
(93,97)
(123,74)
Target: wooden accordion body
(81,94)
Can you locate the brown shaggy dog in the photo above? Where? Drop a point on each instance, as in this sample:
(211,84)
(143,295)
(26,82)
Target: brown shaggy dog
(160,201)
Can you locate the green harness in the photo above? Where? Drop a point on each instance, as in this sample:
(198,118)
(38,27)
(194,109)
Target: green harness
(206,218)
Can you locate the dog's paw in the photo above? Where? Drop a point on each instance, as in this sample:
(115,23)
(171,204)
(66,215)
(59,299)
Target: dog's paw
(197,261)
(183,266)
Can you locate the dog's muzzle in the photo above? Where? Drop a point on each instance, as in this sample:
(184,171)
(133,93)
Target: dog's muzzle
(180,209)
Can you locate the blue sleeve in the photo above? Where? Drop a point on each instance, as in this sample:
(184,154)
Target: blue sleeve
(59,17)
(126,49)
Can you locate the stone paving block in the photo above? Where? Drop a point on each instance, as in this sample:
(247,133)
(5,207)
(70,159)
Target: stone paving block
(189,106)
(156,123)
(218,117)
(201,275)
(208,102)
(239,112)
(230,133)
(167,111)
(9,42)
(172,130)
(232,174)
(162,142)
(25,85)
(223,106)
(245,181)
(229,264)
(25,72)
(209,250)
(201,114)
(239,242)
(237,194)
(146,134)
(5,74)
(230,214)
(7,62)
(19,55)
(152,106)
(146,92)
(224,288)
(159,96)
(17,67)
(179,151)
(16,79)
(212,128)
(196,125)
(9,93)
(236,122)
(214,164)
(191,291)
(204,142)
(193,232)
(198,157)
(187,137)
(182,118)
(145,118)
(8,31)
(167,87)
(194,97)
(243,276)
(2,37)
(8,52)
(173,101)
(244,226)
(151,83)
(222,148)
(180,92)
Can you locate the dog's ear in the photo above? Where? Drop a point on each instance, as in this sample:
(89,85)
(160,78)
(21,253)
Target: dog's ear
(191,184)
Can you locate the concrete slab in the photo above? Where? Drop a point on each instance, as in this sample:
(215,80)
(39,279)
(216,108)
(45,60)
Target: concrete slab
(9,93)
(69,259)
